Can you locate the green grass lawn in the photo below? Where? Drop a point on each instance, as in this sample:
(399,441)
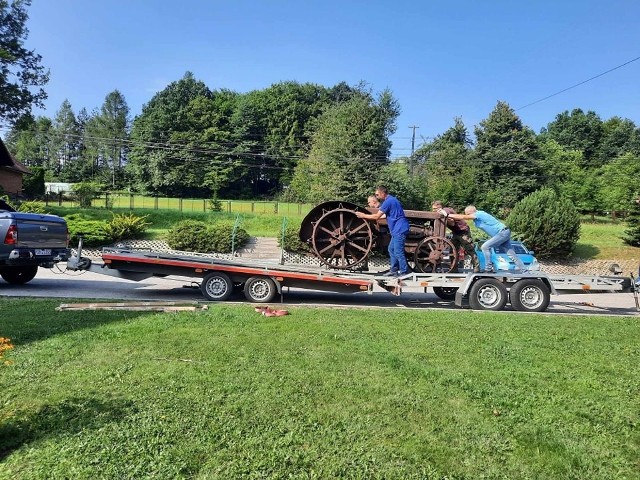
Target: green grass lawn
(321,393)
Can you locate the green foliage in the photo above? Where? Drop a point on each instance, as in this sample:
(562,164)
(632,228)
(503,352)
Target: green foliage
(619,183)
(126,226)
(508,155)
(85,192)
(350,144)
(547,223)
(20,67)
(198,236)
(632,233)
(93,232)
(215,205)
(33,185)
(229,394)
(32,206)
(291,239)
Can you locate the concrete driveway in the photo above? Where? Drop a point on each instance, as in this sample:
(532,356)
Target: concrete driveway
(57,283)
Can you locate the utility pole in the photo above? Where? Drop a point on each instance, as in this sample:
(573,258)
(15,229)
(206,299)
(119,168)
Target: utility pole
(413,138)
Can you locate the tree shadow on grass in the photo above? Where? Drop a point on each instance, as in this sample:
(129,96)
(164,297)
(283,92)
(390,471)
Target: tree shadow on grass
(69,416)
(585,251)
(33,319)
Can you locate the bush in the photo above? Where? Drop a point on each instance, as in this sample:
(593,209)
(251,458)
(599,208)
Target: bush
(32,206)
(291,241)
(93,232)
(546,223)
(125,226)
(197,236)
(85,192)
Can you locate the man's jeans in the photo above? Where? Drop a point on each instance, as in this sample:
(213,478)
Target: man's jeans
(502,238)
(396,254)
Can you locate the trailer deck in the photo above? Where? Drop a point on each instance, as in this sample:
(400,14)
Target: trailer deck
(262,281)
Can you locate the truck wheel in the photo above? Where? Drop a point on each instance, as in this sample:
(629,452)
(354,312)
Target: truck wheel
(19,275)
(445,293)
(216,286)
(530,295)
(260,289)
(488,294)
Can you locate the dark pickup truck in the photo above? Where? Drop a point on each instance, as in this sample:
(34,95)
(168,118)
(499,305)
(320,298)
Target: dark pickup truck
(29,241)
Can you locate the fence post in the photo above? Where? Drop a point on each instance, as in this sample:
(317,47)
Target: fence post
(229,206)
(204,205)
(275,208)
(180,203)
(253,206)
(131,205)
(106,200)
(155,202)
(59,199)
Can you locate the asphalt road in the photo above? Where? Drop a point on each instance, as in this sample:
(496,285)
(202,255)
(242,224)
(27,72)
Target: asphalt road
(57,283)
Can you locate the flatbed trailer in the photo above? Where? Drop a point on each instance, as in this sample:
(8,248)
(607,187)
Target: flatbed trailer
(261,282)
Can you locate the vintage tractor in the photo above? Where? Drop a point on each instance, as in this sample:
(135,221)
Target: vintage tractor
(341,240)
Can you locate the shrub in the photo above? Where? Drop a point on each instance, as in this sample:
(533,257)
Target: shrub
(85,192)
(547,223)
(291,240)
(93,232)
(32,206)
(197,236)
(125,226)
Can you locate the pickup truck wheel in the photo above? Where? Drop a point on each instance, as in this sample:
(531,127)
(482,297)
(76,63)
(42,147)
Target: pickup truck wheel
(488,294)
(530,295)
(216,286)
(260,289)
(19,275)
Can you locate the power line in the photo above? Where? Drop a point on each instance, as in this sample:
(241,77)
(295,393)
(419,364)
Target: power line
(578,84)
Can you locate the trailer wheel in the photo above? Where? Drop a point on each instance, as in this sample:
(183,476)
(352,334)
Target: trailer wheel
(19,275)
(488,294)
(530,295)
(445,293)
(216,286)
(260,289)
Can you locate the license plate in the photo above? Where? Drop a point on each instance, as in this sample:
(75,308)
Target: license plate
(46,251)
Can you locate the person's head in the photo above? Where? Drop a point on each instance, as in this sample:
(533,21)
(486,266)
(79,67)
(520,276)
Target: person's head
(373,202)
(470,210)
(436,205)
(381,192)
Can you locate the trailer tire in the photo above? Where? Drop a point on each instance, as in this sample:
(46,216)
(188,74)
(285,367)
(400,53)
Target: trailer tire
(530,295)
(446,293)
(260,289)
(488,294)
(216,286)
(19,275)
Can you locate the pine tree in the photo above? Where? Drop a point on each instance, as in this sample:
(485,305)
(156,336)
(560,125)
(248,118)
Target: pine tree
(633,221)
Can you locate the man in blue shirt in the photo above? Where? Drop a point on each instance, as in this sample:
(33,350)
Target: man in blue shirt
(498,232)
(398,227)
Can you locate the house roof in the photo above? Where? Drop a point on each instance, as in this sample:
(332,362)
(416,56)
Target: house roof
(8,162)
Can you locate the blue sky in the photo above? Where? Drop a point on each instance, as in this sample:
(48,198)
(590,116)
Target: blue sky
(441,59)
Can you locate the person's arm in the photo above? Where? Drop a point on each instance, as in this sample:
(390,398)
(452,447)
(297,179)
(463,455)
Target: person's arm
(370,216)
(456,216)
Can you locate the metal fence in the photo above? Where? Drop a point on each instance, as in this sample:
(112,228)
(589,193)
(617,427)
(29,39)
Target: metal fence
(113,201)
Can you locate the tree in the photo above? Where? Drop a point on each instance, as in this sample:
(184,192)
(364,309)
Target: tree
(21,72)
(619,180)
(632,233)
(509,156)
(578,131)
(65,139)
(113,131)
(446,169)
(160,161)
(547,223)
(349,146)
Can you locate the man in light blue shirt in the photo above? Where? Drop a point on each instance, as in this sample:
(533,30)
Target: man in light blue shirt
(498,232)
